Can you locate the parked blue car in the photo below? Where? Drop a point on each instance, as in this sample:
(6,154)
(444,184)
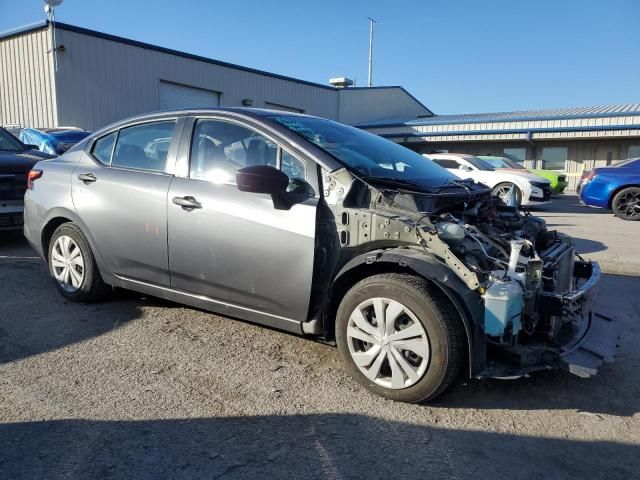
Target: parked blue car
(54,141)
(616,187)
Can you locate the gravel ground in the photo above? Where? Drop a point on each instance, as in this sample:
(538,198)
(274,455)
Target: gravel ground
(141,388)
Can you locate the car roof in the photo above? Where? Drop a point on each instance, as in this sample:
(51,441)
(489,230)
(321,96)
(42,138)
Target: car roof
(248,111)
(450,155)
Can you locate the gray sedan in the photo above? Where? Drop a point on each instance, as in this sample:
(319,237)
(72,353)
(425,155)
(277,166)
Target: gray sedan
(324,230)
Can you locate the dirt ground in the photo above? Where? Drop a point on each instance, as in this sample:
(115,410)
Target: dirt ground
(141,388)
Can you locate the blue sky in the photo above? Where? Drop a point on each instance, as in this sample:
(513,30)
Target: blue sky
(455,56)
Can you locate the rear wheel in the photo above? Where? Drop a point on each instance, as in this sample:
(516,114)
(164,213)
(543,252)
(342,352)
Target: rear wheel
(503,191)
(73,267)
(626,204)
(399,338)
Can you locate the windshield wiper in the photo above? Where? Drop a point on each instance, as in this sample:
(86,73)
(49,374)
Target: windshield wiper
(401,182)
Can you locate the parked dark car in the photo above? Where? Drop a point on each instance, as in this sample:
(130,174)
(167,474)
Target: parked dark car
(616,187)
(54,141)
(323,230)
(16,160)
(13,128)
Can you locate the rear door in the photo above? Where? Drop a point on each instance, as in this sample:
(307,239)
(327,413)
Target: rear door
(120,192)
(235,247)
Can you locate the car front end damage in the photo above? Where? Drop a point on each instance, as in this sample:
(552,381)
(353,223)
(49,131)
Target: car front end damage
(526,297)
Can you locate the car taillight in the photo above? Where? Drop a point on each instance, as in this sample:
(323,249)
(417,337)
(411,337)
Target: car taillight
(31,176)
(589,176)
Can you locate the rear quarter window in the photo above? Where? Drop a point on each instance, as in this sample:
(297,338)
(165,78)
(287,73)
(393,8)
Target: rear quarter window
(103,148)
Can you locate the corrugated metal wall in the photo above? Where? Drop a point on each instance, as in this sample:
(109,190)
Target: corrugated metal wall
(369,104)
(26,80)
(100,81)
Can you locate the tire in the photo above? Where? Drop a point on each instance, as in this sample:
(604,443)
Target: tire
(432,370)
(499,188)
(626,204)
(70,250)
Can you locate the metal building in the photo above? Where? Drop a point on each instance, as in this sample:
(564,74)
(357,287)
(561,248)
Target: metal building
(572,140)
(91,79)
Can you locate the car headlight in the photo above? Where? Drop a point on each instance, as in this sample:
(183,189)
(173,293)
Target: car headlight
(539,184)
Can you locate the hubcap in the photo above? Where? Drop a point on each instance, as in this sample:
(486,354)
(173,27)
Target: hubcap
(629,204)
(388,343)
(68,263)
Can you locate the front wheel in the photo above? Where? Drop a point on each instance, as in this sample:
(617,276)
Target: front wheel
(626,204)
(503,191)
(399,338)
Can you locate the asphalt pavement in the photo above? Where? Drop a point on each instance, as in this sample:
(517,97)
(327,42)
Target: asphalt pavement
(141,388)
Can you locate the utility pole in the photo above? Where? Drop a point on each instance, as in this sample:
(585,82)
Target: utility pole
(371,22)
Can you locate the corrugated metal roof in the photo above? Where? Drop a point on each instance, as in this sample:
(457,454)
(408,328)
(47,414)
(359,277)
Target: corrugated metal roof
(518,116)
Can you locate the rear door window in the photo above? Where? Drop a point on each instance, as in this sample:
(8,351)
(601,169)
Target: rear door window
(144,146)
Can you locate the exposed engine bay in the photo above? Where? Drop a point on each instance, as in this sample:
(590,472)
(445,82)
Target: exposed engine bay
(536,293)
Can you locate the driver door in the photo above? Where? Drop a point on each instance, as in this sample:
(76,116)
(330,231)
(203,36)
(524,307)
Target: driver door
(235,248)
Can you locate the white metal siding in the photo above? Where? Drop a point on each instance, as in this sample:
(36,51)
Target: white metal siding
(364,105)
(101,81)
(26,80)
(174,96)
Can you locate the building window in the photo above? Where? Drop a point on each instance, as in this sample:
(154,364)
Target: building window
(516,154)
(554,158)
(634,151)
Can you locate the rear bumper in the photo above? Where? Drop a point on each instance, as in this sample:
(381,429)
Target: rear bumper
(11,216)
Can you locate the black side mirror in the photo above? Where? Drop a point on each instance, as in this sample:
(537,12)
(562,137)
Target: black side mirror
(265,179)
(261,179)
(29,146)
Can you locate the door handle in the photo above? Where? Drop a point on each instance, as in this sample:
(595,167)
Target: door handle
(188,202)
(87,177)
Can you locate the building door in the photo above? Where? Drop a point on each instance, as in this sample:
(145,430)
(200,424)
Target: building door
(174,96)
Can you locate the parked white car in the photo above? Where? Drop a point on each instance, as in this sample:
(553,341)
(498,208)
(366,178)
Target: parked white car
(530,189)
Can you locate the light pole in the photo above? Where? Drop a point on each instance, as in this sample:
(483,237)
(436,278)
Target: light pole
(371,22)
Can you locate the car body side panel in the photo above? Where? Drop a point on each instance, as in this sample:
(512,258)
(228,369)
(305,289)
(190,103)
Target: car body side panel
(50,198)
(239,248)
(599,191)
(126,212)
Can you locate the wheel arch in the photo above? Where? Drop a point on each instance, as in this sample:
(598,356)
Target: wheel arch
(437,275)
(618,190)
(59,216)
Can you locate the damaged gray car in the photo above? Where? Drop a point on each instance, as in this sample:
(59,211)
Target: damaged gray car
(324,230)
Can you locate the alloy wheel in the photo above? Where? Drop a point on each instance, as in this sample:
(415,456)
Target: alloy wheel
(504,192)
(388,343)
(68,263)
(628,203)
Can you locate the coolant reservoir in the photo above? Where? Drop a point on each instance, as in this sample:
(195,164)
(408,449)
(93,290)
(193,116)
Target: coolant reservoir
(503,305)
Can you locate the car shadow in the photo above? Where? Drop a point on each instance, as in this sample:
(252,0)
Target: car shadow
(327,446)
(585,246)
(567,203)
